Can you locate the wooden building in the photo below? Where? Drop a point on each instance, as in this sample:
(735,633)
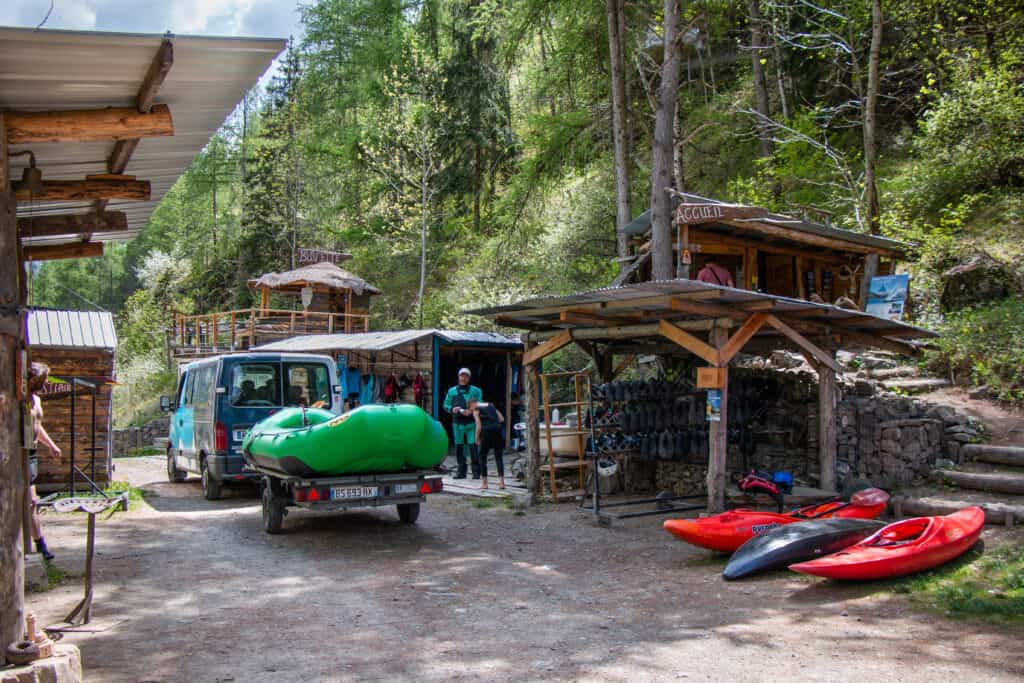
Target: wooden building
(94,129)
(435,356)
(321,298)
(764,251)
(79,347)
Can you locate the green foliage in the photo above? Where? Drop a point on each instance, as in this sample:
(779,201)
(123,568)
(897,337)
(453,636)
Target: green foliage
(982,345)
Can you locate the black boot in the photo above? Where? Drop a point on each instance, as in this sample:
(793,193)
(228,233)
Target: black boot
(42,549)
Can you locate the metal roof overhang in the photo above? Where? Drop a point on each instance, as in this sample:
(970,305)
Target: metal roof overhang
(382,341)
(71,329)
(51,70)
(653,301)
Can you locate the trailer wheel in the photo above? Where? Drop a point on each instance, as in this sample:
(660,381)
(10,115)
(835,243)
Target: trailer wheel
(273,508)
(408,512)
(174,475)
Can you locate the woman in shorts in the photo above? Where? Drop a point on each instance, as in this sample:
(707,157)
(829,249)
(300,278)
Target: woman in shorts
(490,434)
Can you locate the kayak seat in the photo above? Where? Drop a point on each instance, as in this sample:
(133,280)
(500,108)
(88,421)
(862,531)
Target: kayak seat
(902,533)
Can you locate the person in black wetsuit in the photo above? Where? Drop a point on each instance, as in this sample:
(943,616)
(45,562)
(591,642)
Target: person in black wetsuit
(490,434)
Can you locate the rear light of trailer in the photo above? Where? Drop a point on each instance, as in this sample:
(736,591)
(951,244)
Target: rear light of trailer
(300,495)
(432,486)
(220,437)
(313,495)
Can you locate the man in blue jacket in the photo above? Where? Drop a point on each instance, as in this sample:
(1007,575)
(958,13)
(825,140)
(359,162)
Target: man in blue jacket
(456,403)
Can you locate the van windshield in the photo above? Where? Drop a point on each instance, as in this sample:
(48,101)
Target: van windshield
(306,384)
(255,384)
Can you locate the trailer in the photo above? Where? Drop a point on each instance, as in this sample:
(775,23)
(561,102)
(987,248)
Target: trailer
(404,490)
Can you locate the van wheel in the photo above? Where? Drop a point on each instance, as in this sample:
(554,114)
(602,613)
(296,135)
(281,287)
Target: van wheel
(174,475)
(211,487)
(408,512)
(273,510)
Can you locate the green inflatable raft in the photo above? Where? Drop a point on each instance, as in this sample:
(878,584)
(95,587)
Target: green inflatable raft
(374,438)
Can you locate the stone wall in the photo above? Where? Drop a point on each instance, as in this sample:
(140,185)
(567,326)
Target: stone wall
(123,441)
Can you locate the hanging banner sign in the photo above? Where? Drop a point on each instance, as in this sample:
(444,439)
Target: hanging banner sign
(306,257)
(695,214)
(887,296)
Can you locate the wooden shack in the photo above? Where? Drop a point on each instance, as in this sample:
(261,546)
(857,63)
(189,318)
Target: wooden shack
(79,347)
(764,251)
(338,301)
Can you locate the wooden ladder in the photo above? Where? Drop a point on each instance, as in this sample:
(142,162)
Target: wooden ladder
(580,386)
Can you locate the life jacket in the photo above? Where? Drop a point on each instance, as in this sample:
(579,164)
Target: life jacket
(761,482)
(391,389)
(418,389)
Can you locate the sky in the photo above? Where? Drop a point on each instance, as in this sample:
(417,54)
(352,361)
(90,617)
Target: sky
(252,18)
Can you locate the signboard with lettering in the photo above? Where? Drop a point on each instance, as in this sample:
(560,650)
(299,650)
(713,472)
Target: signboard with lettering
(887,296)
(696,214)
(306,257)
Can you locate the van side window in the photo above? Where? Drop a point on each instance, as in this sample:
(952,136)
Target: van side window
(255,384)
(189,383)
(203,385)
(180,402)
(307,383)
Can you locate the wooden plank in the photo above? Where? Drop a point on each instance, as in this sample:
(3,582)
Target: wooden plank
(698,214)
(72,224)
(984,481)
(804,343)
(550,346)
(999,455)
(718,436)
(81,190)
(689,342)
(57,252)
(87,125)
(741,337)
(679,303)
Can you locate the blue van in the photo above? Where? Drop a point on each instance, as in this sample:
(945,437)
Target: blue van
(220,398)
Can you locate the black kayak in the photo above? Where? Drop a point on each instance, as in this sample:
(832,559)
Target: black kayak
(792,543)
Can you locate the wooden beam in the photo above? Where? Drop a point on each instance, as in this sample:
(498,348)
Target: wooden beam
(861,338)
(72,224)
(531,390)
(828,398)
(54,252)
(804,343)
(741,337)
(88,125)
(623,364)
(689,342)
(122,153)
(808,238)
(588,317)
(158,70)
(550,346)
(628,331)
(81,190)
(711,310)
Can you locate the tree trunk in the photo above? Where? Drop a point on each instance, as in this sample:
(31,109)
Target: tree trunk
(424,179)
(870,106)
(663,267)
(620,128)
(757,53)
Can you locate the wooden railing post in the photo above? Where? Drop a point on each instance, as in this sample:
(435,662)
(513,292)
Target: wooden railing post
(252,328)
(233,320)
(213,323)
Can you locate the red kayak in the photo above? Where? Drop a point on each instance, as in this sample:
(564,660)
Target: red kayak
(907,547)
(727,531)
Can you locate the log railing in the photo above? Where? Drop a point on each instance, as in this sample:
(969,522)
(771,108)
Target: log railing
(210,333)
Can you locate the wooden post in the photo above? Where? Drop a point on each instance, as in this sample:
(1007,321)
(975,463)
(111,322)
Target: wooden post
(12,475)
(213,324)
(233,320)
(827,399)
(549,438)
(530,386)
(508,398)
(718,434)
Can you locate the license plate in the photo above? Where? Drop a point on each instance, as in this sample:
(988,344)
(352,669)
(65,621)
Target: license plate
(350,492)
(238,434)
(406,488)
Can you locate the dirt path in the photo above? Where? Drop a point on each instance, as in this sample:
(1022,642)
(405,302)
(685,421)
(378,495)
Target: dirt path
(1005,426)
(194,591)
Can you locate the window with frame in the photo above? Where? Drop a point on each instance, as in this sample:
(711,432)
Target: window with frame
(203,385)
(306,384)
(255,385)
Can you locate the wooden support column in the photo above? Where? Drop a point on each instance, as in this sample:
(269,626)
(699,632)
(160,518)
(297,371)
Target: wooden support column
(531,386)
(828,397)
(718,435)
(12,475)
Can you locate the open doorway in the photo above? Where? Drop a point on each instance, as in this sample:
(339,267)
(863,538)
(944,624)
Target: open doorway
(490,373)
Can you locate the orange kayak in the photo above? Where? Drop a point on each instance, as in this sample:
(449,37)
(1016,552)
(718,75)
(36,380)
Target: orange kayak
(727,531)
(906,547)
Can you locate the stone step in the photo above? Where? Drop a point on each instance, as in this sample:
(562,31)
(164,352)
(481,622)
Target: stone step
(894,373)
(995,513)
(998,455)
(918,385)
(983,481)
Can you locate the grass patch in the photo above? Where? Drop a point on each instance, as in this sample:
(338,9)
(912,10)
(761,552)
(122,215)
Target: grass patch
(985,584)
(144,450)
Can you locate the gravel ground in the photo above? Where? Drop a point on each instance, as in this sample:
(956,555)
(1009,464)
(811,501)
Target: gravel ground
(190,590)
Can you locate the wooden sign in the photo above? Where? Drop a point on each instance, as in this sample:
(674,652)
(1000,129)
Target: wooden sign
(696,214)
(306,257)
(710,378)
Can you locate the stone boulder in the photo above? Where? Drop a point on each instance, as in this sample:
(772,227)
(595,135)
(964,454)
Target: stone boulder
(976,279)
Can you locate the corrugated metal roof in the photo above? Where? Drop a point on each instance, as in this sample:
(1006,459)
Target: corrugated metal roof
(649,297)
(381,341)
(59,70)
(79,329)
(642,223)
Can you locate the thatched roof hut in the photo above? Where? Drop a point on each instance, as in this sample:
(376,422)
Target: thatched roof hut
(319,276)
